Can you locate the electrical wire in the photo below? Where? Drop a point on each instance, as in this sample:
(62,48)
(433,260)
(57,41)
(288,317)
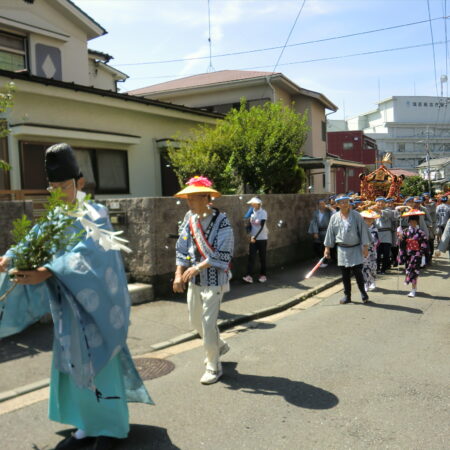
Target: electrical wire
(315,41)
(289,36)
(350,55)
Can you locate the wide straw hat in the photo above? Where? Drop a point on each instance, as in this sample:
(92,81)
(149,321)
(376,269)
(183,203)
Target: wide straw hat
(369,214)
(413,212)
(198,185)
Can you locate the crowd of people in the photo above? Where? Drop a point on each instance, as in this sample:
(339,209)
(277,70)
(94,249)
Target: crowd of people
(85,289)
(373,237)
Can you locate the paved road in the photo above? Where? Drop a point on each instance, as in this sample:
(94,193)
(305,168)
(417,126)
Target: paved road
(327,376)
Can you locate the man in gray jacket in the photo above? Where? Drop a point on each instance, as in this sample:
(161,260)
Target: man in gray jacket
(348,231)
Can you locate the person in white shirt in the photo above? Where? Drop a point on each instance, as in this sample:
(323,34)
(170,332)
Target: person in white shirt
(258,240)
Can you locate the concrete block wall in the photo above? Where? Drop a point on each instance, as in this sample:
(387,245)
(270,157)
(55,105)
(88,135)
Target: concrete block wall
(150,223)
(9,211)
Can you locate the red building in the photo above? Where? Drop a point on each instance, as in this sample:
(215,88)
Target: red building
(351,146)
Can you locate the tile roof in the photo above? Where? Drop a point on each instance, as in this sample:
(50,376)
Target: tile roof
(203,79)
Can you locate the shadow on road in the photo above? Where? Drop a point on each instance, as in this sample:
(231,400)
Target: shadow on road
(36,339)
(392,307)
(297,393)
(141,437)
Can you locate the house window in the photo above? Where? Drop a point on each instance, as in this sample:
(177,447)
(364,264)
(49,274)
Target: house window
(105,171)
(12,52)
(112,172)
(401,147)
(324,131)
(351,172)
(425,104)
(419,104)
(414,103)
(347,145)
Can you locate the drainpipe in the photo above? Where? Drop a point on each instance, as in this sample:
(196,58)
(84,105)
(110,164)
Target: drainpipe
(273,89)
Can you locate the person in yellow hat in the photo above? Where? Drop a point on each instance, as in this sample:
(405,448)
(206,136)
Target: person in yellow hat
(203,254)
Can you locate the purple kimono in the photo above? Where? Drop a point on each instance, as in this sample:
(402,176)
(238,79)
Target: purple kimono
(413,245)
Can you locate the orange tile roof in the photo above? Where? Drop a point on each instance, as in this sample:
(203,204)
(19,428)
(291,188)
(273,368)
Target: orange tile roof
(203,79)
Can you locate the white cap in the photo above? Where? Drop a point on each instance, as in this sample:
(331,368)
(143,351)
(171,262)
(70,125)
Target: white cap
(254,200)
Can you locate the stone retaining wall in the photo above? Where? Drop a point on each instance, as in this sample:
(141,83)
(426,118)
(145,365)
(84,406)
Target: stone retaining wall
(151,223)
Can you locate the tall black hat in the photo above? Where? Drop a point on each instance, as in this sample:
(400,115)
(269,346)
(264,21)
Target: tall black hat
(61,164)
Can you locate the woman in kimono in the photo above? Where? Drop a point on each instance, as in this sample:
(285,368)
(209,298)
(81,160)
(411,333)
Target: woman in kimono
(370,262)
(413,244)
(92,375)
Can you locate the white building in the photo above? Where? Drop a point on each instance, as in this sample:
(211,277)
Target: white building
(406,125)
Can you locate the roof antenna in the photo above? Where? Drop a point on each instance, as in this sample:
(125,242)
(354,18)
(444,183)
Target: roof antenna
(210,67)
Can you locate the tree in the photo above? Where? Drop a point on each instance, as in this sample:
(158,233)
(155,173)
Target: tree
(6,102)
(259,147)
(412,186)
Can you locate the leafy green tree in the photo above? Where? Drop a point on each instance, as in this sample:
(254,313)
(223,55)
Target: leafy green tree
(415,185)
(257,147)
(6,102)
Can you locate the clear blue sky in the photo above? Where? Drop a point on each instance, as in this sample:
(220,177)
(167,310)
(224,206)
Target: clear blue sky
(141,31)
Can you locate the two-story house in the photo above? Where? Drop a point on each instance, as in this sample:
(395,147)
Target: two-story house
(67,92)
(222,90)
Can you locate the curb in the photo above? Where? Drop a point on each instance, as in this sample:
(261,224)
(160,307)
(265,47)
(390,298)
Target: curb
(225,324)
(222,324)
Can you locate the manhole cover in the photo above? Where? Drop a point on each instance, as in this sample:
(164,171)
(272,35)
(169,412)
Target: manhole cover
(150,368)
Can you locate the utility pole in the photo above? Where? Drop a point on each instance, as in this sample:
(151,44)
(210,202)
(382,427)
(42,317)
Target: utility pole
(428,159)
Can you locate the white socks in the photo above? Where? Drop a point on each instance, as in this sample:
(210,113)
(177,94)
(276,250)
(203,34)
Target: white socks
(79,434)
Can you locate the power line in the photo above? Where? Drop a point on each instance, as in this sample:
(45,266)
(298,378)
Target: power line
(434,53)
(289,36)
(318,59)
(321,59)
(343,36)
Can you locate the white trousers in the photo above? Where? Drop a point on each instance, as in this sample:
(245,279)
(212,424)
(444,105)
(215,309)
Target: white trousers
(204,305)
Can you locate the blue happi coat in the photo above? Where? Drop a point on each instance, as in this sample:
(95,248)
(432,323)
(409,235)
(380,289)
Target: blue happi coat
(90,306)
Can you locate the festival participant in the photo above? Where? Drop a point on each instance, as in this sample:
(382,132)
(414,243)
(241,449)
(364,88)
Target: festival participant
(442,216)
(370,262)
(395,224)
(413,245)
(318,228)
(258,240)
(349,233)
(92,375)
(430,208)
(444,243)
(385,225)
(203,255)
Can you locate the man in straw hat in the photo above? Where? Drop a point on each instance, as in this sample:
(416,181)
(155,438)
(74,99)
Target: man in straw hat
(203,254)
(92,375)
(349,233)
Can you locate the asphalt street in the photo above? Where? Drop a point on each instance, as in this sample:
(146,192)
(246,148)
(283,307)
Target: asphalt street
(317,376)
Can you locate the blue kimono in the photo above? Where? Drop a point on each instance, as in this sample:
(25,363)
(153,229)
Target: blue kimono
(93,375)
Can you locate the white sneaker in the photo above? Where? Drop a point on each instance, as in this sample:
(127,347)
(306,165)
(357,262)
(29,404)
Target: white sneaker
(323,265)
(372,287)
(366,287)
(412,293)
(262,279)
(211,376)
(248,279)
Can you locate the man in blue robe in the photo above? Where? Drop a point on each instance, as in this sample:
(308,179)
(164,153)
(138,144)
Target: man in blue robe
(92,375)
